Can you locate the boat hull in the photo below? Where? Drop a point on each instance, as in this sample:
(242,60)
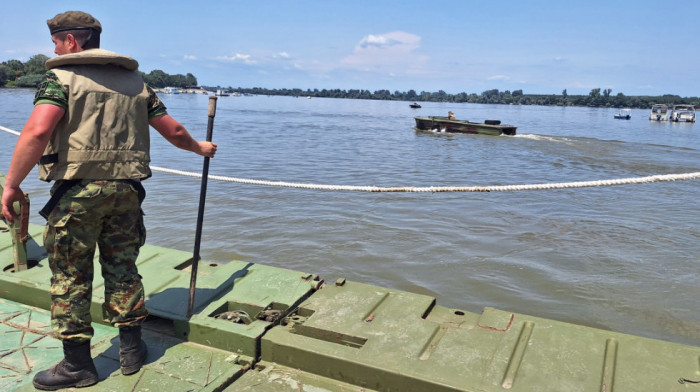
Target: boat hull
(443,124)
(659,112)
(683,113)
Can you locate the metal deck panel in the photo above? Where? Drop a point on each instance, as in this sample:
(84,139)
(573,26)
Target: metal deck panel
(26,347)
(390,340)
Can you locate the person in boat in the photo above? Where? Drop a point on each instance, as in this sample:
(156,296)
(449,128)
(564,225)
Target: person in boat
(89,132)
(451,116)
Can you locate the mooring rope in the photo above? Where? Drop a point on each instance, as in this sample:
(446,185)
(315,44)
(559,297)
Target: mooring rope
(490,188)
(433,189)
(8,130)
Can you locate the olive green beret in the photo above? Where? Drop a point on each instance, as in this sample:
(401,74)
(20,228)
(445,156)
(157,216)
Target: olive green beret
(73,20)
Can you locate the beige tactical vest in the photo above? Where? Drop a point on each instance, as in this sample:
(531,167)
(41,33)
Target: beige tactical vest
(104,134)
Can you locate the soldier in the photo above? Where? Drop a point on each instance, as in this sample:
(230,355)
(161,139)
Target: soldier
(89,132)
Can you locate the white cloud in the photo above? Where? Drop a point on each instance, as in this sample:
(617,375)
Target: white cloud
(282,54)
(375,52)
(245,58)
(190,57)
(499,77)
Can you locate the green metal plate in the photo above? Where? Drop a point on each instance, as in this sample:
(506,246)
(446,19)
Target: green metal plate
(391,340)
(172,365)
(271,377)
(252,289)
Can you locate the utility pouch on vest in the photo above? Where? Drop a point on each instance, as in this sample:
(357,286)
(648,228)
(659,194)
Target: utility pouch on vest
(58,193)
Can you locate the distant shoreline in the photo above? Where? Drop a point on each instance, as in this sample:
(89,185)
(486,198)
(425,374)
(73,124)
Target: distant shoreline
(494,97)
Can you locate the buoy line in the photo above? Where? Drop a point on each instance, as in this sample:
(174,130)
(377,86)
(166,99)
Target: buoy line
(433,189)
(8,130)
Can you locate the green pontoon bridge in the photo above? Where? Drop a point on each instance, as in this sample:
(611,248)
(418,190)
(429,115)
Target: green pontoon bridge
(261,328)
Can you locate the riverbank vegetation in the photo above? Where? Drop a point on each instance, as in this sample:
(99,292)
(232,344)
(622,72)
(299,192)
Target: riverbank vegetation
(596,97)
(14,73)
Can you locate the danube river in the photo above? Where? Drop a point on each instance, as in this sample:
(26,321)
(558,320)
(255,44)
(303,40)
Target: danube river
(623,258)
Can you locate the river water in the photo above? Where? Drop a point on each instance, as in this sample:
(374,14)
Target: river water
(623,258)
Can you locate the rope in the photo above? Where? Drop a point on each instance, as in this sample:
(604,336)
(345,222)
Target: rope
(433,189)
(8,130)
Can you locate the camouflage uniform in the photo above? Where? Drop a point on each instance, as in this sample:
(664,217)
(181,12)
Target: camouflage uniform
(106,214)
(92,214)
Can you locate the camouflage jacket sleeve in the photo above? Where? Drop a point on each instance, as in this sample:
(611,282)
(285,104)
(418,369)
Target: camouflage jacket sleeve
(51,91)
(155,105)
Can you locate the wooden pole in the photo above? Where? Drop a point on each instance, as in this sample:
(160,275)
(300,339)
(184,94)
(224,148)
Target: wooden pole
(200,214)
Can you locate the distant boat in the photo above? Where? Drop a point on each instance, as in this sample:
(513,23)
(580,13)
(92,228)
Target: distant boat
(171,90)
(444,124)
(624,114)
(415,105)
(683,113)
(659,112)
(221,93)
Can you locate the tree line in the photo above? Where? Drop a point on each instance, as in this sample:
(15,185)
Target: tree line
(596,97)
(14,73)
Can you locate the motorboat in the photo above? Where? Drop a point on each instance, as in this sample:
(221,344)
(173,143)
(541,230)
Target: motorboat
(624,114)
(683,113)
(659,112)
(444,124)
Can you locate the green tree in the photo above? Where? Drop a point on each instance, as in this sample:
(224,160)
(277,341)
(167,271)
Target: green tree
(28,80)
(490,93)
(157,78)
(190,80)
(178,80)
(594,97)
(411,95)
(36,65)
(4,74)
(16,69)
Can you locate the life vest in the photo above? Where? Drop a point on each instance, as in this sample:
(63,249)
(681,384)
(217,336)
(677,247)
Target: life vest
(104,133)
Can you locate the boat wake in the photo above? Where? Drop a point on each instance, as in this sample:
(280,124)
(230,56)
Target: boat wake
(542,137)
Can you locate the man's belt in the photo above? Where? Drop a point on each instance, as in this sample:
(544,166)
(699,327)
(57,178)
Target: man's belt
(46,159)
(67,184)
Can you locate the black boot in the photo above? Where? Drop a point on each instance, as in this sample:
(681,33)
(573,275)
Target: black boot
(76,370)
(132,350)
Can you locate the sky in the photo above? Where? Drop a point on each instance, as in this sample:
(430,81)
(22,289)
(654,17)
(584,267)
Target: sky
(635,47)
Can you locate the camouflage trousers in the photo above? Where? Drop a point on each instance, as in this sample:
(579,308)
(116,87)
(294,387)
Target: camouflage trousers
(95,214)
